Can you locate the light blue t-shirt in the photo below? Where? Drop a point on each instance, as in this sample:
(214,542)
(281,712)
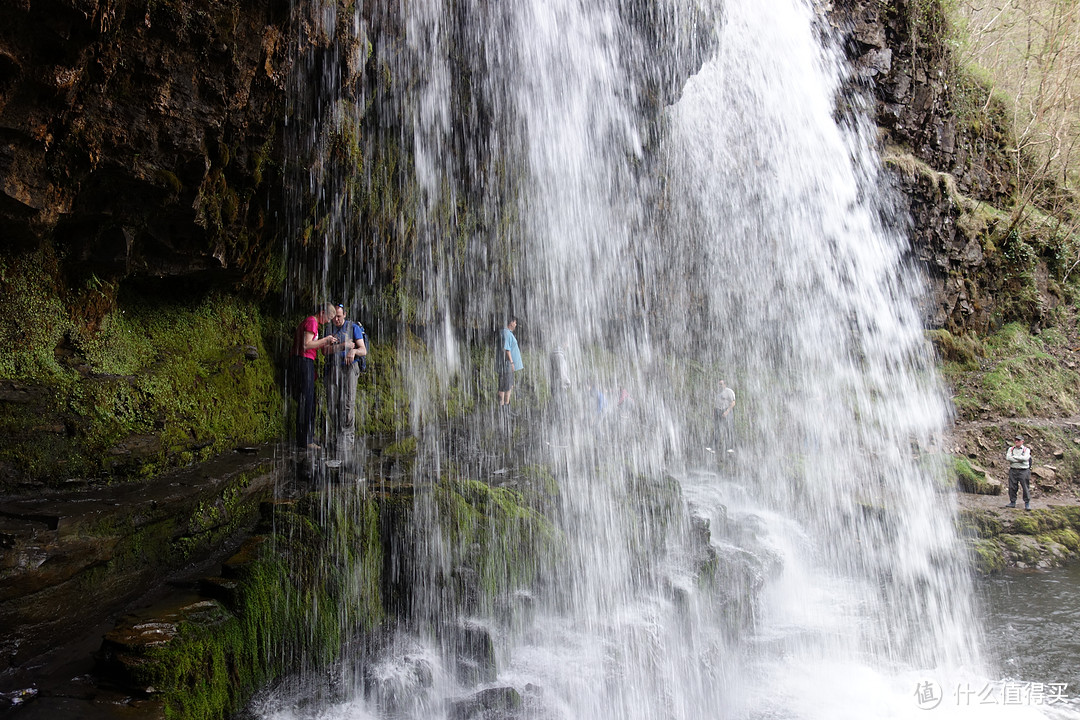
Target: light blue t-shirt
(510,343)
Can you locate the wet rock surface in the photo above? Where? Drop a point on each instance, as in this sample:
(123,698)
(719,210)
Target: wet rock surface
(474,652)
(133,161)
(1044,537)
(69,558)
(210,632)
(119,144)
(945,158)
(492,704)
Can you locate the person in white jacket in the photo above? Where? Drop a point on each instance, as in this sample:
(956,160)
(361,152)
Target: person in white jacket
(1019,459)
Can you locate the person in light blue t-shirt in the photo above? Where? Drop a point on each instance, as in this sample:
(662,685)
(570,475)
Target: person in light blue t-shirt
(509,362)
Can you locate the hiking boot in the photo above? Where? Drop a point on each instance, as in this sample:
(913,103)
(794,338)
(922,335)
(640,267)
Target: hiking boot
(1012,505)
(1027,506)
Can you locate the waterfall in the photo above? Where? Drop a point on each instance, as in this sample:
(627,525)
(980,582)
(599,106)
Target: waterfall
(676,193)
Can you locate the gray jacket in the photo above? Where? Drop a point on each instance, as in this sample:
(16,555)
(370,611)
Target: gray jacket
(1018,457)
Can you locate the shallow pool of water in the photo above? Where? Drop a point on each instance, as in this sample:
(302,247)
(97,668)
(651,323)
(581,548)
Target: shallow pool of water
(1033,625)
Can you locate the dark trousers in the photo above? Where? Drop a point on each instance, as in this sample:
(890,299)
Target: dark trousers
(724,431)
(340,383)
(303,389)
(1018,477)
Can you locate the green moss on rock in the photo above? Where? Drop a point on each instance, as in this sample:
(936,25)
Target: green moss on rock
(965,350)
(980,523)
(1044,536)
(971,479)
(1067,537)
(154,384)
(381,403)
(1027,524)
(404,448)
(494,531)
(290,598)
(397,365)
(987,557)
(34,317)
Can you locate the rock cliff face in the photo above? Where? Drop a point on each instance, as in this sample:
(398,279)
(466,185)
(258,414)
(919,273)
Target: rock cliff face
(157,152)
(946,140)
(140,168)
(141,137)
(899,52)
(144,139)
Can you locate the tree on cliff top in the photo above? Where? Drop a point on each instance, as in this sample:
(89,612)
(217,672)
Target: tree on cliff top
(1031,52)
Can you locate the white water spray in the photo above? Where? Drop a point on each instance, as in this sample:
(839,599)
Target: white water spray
(746,233)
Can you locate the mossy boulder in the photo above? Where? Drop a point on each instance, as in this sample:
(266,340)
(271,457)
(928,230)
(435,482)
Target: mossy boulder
(980,523)
(1043,537)
(1035,522)
(503,702)
(1067,538)
(1023,550)
(973,479)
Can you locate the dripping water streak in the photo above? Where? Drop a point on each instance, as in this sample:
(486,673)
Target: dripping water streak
(743,230)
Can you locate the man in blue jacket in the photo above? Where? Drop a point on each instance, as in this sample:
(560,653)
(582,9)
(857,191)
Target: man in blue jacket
(342,372)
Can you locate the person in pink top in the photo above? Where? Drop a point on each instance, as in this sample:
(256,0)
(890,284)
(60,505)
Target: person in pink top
(305,348)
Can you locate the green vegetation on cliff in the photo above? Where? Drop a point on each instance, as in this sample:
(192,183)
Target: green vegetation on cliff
(980,117)
(151,383)
(199,371)
(1012,373)
(315,579)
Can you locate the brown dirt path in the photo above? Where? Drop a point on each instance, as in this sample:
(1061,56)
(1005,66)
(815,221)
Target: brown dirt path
(1055,448)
